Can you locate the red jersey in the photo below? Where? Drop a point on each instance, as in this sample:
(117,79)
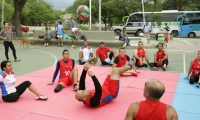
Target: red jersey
(195,67)
(151,110)
(106,97)
(122,61)
(159,57)
(140,54)
(66,68)
(103,52)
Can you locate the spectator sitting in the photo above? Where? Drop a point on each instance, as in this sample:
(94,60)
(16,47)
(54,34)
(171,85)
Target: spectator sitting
(123,37)
(73,28)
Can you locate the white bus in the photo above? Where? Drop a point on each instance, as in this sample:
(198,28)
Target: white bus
(169,17)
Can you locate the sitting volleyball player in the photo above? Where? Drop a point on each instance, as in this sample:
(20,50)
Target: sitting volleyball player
(102,94)
(120,61)
(68,73)
(86,53)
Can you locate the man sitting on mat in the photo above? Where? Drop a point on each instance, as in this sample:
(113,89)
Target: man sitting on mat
(151,108)
(68,73)
(194,70)
(86,53)
(102,94)
(120,61)
(140,54)
(160,59)
(101,53)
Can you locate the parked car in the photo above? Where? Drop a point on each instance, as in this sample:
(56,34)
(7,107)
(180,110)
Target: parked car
(131,28)
(23,28)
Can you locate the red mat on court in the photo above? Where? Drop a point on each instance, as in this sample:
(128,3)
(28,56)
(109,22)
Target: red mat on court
(63,106)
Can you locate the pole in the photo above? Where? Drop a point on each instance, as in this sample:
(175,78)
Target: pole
(90,5)
(143,11)
(2,19)
(99,15)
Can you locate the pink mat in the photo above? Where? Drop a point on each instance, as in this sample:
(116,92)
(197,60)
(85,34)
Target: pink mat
(63,106)
(170,86)
(160,75)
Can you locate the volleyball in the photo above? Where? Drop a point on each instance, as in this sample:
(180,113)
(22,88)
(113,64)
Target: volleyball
(83,12)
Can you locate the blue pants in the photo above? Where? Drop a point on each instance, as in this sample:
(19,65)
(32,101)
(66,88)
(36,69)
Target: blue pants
(127,40)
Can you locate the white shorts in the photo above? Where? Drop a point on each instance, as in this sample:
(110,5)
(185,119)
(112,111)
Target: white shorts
(59,36)
(84,59)
(74,29)
(108,60)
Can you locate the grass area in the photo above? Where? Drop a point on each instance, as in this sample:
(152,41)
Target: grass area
(28,34)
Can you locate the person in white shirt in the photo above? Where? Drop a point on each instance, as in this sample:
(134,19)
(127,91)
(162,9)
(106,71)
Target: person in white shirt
(147,31)
(86,53)
(10,93)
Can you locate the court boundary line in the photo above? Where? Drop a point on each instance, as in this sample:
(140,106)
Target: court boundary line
(49,54)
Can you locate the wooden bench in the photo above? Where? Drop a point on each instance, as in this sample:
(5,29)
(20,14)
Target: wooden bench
(93,38)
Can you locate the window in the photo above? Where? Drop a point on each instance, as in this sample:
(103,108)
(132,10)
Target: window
(192,18)
(135,18)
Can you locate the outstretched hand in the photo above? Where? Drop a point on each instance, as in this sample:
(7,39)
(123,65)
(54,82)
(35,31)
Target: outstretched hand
(90,73)
(187,77)
(51,83)
(86,66)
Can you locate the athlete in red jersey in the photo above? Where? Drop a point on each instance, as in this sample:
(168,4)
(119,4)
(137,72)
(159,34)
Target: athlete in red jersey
(160,59)
(102,94)
(194,70)
(140,54)
(68,73)
(120,61)
(102,53)
(151,108)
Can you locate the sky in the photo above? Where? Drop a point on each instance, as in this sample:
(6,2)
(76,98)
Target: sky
(60,4)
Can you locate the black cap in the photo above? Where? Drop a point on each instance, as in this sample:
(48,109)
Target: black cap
(101,42)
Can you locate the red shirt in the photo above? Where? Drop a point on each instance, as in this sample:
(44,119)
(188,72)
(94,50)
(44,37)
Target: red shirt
(122,61)
(103,100)
(66,68)
(103,52)
(140,54)
(159,57)
(151,110)
(195,67)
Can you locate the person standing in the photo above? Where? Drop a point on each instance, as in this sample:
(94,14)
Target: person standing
(7,36)
(147,31)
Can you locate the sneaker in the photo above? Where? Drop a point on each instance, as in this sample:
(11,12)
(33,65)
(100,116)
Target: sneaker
(198,84)
(45,44)
(41,97)
(164,68)
(134,74)
(58,45)
(75,88)
(154,69)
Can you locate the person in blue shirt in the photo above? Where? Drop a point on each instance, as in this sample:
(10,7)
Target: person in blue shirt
(60,34)
(73,27)
(46,36)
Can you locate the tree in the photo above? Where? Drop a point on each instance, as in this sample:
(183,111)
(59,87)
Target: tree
(18,6)
(156,18)
(181,5)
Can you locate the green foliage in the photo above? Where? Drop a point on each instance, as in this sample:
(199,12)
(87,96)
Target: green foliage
(83,27)
(181,5)
(156,18)
(34,12)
